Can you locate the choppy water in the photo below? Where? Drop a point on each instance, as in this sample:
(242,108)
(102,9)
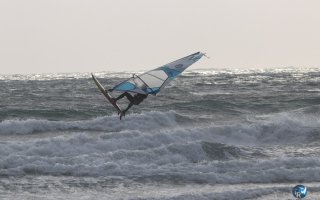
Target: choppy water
(212,134)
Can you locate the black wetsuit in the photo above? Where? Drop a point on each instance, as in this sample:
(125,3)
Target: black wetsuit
(134,100)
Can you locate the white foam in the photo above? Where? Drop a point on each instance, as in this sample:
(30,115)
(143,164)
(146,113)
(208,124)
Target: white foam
(143,121)
(162,155)
(171,154)
(49,187)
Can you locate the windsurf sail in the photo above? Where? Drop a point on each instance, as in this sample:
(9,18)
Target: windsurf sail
(153,81)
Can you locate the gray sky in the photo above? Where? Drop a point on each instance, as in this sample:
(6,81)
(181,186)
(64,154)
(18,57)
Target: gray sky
(39,36)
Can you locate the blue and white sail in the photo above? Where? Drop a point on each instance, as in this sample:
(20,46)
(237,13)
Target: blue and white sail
(153,81)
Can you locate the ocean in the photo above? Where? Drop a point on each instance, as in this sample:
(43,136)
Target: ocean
(211,134)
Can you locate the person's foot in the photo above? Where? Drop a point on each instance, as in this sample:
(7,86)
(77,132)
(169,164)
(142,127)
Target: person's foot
(122,114)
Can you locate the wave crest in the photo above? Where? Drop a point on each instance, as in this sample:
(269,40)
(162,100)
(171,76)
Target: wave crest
(142,121)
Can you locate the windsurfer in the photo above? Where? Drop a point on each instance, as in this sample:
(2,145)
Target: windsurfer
(134,100)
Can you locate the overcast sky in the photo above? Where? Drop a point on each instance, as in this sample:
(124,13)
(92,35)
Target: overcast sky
(39,36)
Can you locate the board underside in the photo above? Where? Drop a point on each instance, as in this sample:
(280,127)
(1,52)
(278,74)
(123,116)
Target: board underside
(106,94)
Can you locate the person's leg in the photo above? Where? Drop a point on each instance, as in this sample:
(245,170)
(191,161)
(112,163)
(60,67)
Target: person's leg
(125,94)
(129,106)
(129,96)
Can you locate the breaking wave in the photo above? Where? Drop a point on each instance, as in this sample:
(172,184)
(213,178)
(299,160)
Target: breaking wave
(107,124)
(140,148)
(282,128)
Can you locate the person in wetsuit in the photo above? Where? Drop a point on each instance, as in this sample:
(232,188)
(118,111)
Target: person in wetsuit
(134,100)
